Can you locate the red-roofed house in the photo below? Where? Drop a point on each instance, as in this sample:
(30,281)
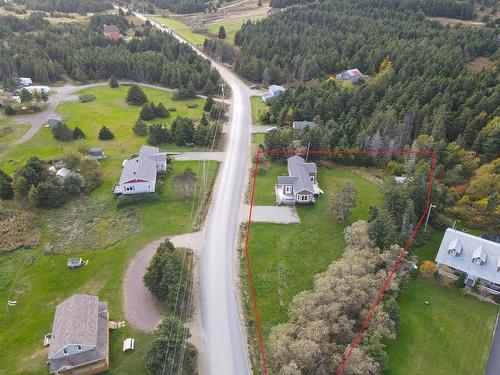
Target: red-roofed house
(111,32)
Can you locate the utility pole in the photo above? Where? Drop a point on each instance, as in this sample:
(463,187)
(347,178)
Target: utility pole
(428,214)
(307,152)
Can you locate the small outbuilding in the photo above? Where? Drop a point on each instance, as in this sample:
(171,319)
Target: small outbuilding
(24,81)
(350,75)
(63,173)
(274,91)
(96,153)
(303,125)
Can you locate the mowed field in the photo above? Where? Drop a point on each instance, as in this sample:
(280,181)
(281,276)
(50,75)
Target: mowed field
(450,335)
(231,26)
(181,28)
(285,258)
(110,240)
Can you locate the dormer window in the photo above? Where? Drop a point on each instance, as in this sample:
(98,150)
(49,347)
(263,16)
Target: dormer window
(65,351)
(498,265)
(454,247)
(79,348)
(479,256)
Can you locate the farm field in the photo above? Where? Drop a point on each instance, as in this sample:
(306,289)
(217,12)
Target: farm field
(232,26)
(285,258)
(181,28)
(431,337)
(90,227)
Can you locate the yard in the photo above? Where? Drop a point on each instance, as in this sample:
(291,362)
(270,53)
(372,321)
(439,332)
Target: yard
(258,108)
(451,335)
(285,258)
(90,227)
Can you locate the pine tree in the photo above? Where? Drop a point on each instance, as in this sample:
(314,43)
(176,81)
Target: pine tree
(78,133)
(113,82)
(208,104)
(161,111)
(140,128)
(222,33)
(25,96)
(203,121)
(147,112)
(136,96)
(105,134)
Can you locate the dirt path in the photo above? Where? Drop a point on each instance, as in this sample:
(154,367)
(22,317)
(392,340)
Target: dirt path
(142,310)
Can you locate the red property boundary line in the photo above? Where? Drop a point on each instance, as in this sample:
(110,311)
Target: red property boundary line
(396,265)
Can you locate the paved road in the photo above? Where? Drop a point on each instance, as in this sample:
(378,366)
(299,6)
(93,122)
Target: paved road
(224,344)
(493,366)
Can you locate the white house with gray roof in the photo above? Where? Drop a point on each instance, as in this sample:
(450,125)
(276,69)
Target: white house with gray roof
(474,257)
(273,92)
(139,173)
(301,185)
(79,341)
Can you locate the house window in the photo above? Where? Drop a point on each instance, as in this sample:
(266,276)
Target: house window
(65,351)
(79,347)
(288,189)
(312,178)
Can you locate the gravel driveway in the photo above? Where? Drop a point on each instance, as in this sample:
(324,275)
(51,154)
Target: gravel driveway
(271,214)
(142,310)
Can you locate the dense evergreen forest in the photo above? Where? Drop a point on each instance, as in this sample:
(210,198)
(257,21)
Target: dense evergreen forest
(419,81)
(67,6)
(177,6)
(34,48)
(437,8)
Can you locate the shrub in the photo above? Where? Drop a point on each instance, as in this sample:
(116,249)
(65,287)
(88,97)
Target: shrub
(172,109)
(61,132)
(191,105)
(136,96)
(85,98)
(105,134)
(6,189)
(134,199)
(140,128)
(113,82)
(427,268)
(9,110)
(73,184)
(147,112)
(460,282)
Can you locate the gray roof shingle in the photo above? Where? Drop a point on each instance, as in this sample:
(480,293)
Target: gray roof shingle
(469,247)
(297,167)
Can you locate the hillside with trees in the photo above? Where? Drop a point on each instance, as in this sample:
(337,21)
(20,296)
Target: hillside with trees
(84,53)
(417,93)
(67,6)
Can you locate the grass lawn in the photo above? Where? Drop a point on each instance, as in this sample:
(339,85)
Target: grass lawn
(181,28)
(451,335)
(232,26)
(111,110)
(285,258)
(48,281)
(258,107)
(44,284)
